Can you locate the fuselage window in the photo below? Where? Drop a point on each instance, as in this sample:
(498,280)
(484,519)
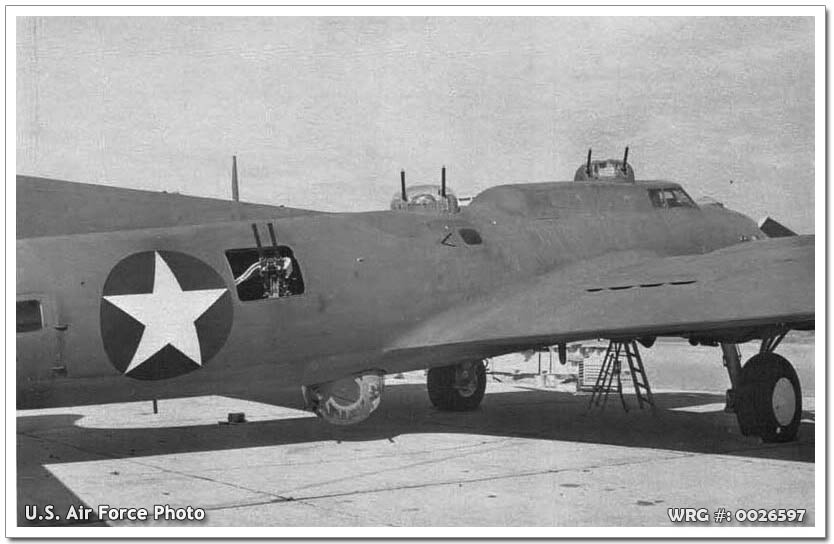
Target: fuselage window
(29,316)
(273,273)
(470,236)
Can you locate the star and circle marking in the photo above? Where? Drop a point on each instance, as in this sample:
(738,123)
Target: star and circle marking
(169,315)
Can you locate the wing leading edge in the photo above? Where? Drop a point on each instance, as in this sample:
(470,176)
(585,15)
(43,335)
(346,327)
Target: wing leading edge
(746,286)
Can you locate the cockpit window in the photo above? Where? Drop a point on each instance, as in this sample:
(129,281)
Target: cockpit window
(676,198)
(272,273)
(670,198)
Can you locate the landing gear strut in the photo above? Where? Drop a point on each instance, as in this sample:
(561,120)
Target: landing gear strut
(732,360)
(457,388)
(766,395)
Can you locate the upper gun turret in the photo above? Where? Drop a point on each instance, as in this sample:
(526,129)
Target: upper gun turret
(606,170)
(425,198)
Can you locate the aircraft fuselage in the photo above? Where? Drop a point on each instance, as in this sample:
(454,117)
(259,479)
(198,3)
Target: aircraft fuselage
(368,279)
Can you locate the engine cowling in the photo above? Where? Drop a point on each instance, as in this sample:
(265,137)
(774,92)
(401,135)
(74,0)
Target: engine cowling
(345,401)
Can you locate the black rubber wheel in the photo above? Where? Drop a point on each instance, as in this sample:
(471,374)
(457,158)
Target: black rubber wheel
(449,390)
(769,399)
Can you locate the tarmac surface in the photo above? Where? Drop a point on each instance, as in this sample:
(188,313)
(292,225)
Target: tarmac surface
(529,456)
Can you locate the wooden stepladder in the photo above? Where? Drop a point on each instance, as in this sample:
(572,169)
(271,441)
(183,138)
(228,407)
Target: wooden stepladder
(611,369)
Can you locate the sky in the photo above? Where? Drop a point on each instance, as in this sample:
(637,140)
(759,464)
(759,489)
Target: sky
(324,112)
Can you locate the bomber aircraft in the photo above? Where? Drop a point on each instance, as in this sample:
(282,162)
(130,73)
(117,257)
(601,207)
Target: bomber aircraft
(134,294)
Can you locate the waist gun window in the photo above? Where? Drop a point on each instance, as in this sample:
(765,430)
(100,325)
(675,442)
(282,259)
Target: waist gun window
(271,273)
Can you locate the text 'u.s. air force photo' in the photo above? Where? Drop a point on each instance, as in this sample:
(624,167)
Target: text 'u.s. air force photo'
(443,274)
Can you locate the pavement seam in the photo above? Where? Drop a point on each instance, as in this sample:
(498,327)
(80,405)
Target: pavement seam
(363,458)
(275,497)
(470,480)
(302,502)
(491,478)
(335,511)
(286,497)
(402,467)
(66,444)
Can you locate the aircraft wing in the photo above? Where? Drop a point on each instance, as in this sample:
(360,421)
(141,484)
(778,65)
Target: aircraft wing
(749,285)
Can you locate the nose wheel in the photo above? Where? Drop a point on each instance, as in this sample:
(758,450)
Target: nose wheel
(457,388)
(768,400)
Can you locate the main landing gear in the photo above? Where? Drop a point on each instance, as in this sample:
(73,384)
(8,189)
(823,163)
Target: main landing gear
(457,388)
(766,396)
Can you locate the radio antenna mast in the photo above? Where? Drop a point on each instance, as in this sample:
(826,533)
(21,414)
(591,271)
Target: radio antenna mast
(235,189)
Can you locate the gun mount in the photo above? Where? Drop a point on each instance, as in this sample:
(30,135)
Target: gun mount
(615,170)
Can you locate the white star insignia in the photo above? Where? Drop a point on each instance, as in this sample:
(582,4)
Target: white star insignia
(168,314)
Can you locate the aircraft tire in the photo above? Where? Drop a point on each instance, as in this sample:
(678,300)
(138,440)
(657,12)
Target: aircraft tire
(769,399)
(445,395)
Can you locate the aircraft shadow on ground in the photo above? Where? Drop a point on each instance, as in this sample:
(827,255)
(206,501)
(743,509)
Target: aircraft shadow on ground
(536,414)
(35,484)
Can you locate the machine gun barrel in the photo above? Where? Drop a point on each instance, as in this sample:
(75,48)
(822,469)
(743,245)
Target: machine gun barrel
(258,241)
(443,182)
(272,235)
